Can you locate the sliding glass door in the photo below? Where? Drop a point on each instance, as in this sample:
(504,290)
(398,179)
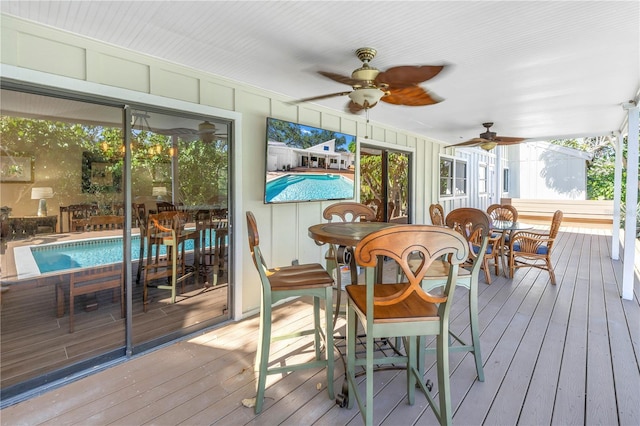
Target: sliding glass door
(74,199)
(385,179)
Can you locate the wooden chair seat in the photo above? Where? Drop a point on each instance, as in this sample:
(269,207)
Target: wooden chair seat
(413,308)
(299,277)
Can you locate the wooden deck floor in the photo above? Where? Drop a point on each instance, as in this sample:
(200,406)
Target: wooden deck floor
(566,354)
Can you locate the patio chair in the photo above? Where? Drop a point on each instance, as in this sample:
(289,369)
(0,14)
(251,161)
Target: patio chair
(166,229)
(282,283)
(213,228)
(92,280)
(533,248)
(105,223)
(436,212)
(475,226)
(403,310)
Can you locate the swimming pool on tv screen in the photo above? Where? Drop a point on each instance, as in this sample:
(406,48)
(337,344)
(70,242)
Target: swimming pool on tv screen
(308,187)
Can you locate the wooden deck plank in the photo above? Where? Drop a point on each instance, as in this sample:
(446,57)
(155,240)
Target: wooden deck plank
(537,407)
(538,344)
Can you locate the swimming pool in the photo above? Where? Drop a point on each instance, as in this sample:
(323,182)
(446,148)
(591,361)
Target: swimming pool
(307,187)
(33,261)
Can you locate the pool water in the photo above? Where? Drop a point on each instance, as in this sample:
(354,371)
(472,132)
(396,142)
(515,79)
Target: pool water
(305,187)
(85,253)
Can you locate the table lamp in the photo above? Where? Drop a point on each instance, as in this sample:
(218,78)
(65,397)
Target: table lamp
(159,192)
(42,194)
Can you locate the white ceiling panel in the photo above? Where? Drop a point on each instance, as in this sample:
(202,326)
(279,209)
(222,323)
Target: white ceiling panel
(537,69)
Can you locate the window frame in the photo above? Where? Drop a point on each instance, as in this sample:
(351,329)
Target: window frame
(452,181)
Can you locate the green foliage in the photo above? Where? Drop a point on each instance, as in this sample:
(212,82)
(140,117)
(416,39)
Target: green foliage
(301,136)
(601,169)
(203,167)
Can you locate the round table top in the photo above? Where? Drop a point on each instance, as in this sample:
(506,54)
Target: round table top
(507,225)
(345,233)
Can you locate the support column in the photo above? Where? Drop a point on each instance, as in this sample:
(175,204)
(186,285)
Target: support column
(631,203)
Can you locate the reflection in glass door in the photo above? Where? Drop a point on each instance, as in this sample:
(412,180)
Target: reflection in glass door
(64,231)
(385,177)
(179,181)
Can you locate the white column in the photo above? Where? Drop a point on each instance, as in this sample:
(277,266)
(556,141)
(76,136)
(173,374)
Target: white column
(631,204)
(499,172)
(617,198)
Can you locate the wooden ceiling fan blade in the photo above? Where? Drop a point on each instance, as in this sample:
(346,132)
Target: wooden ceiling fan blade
(341,78)
(330,95)
(407,75)
(411,96)
(470,142)
(506,140)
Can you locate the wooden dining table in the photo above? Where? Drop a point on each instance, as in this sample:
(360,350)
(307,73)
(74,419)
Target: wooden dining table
(346,234)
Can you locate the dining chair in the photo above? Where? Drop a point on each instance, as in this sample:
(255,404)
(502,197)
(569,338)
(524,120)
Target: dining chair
(166,229)
(281,283)
(502,212)
(475,226)
(436,212)
(338,256)
(92,280)
(213,229)
(140,215)
(533,248)
(403,310)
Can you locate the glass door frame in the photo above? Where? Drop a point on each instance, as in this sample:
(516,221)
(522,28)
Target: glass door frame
(386,149)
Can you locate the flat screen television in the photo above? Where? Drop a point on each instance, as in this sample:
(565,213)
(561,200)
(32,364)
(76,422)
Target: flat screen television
(305,163)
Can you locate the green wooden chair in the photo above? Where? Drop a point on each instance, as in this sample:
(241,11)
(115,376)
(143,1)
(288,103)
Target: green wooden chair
(403,310)
(475,226)
(282,283)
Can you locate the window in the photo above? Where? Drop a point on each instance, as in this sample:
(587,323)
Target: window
(482,179)
(505,180)
(453,177)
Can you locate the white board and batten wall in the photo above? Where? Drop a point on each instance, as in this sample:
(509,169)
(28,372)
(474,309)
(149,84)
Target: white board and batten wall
(44,57)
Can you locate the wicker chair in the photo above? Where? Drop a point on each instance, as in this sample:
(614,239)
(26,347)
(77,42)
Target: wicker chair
(533,248)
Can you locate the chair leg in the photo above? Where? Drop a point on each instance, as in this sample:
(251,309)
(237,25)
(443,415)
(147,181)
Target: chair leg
(551,273)
(351,356)
(316,322)
(262,354)
(444,388)
(487,274)
(328,316)
(475,331)
(412,353)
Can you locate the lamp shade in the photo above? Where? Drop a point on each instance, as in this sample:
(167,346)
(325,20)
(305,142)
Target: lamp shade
(366,97)
(159,191)
(40,193)
(488,146)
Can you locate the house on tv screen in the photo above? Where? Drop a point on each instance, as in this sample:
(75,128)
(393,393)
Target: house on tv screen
(322,156)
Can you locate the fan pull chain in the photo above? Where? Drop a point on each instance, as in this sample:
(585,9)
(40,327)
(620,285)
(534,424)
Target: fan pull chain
(366,114)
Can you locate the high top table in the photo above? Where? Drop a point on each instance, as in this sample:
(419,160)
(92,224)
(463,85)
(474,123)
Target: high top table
(346,234)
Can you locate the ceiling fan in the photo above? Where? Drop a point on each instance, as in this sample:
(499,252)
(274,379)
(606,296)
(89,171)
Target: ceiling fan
(397,85)
(207,132)
(489,140)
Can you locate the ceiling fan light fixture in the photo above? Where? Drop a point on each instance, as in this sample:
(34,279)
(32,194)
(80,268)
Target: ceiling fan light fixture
(488,146)
(206,130)
(366,97)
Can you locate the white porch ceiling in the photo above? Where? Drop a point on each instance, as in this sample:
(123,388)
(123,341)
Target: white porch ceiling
(537,69)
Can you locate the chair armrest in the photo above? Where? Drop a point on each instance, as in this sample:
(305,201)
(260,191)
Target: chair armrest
(529,241)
